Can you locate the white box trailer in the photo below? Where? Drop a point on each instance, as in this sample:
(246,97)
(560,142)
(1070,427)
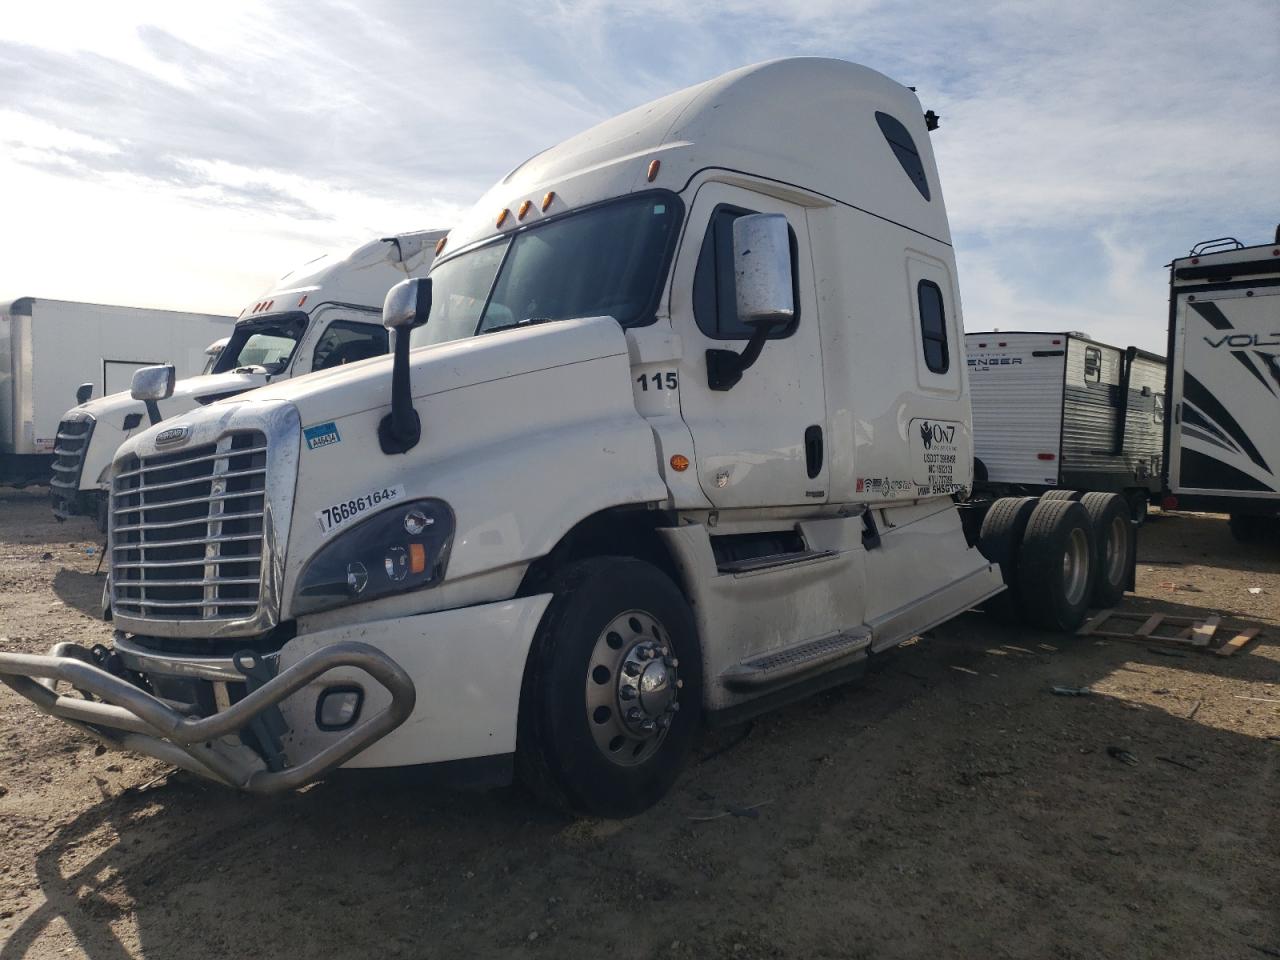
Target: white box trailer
(1064,411)
(1222,438)
(49,348)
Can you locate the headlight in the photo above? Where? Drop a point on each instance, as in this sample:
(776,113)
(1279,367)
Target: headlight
(400,549)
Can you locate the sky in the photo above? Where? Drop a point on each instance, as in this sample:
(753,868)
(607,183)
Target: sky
(184,156)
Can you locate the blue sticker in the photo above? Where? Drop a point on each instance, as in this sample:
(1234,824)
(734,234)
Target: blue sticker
(321,435)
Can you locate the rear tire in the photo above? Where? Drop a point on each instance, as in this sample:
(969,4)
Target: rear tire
(999,540)
(1056,567)
(1248,529)
(598,732)
(1114,545)
(1060,495)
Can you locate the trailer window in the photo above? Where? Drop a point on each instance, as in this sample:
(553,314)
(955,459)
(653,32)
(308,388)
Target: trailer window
(933,327)
(715,294)
(1157,408)
(346,341)
(904,148)
(1092,365)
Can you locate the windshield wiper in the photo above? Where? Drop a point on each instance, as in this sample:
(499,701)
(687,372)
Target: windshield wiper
(526,322)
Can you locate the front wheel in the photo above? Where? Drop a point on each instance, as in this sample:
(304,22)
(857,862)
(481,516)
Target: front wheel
(613,689)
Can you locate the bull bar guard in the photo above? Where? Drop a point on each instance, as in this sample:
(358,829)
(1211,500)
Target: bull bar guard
(126,717)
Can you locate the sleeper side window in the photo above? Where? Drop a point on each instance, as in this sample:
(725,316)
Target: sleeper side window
(904,148)
(933,327)
(1092,365)
(345,341)
(715,295)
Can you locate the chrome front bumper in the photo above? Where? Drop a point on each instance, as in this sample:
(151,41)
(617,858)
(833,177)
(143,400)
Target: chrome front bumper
(125,717)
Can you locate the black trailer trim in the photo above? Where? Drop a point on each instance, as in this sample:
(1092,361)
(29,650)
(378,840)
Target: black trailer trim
(1215,271)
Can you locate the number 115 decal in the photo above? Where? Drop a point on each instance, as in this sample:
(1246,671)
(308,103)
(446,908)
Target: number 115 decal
(661,380)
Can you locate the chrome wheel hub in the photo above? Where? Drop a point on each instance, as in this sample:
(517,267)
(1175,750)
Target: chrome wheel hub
(1075,567)
(632,688)
(1117,549)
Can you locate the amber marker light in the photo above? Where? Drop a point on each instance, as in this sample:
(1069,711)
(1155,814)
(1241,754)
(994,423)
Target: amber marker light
(654,167)
(502,217)
(547,199)
(679,462)
(440,245)
(524,209)
(417,558)
(302,300)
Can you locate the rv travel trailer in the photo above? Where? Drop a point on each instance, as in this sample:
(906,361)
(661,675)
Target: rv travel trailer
(1222,432)
(1060,411)
(58,352)
(652,448)
(321,315)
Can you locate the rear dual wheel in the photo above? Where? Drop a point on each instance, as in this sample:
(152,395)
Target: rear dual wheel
(1114,544)
(1056,565)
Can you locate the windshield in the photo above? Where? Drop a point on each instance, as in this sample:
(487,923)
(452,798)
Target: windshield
(267,343)
(606,261)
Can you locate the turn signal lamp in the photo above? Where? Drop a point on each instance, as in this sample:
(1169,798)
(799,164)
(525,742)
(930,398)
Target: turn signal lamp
(679,462)
(524,209)
(547,199)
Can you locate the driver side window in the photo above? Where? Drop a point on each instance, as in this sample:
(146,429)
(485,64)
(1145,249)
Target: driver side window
(345,341)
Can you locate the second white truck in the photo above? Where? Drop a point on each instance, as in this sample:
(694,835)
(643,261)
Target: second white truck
(677,428)
(323,314)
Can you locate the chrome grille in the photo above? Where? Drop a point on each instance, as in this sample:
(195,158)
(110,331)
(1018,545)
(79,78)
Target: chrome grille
(188,531)
(69,449)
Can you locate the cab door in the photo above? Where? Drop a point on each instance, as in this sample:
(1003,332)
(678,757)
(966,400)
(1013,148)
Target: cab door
(759,443)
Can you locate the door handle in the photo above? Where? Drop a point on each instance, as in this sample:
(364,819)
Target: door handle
(813,450)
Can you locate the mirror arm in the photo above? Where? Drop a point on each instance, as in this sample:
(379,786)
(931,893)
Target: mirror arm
(725,368)
(400,430)
(153,411)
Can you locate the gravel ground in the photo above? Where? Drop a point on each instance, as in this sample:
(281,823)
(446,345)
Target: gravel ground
(947,805)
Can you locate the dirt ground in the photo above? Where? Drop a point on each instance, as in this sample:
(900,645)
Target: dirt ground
(947,805)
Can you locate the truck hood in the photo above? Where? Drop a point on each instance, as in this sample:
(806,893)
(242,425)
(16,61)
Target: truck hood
(366,385)
(190,390)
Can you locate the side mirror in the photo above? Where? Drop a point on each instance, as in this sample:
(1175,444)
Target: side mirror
(765,292)
(151,384)
(84,392)
(762,269)
(408,305)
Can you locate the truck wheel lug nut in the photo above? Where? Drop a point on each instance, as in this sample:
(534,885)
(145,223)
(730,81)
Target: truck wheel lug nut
(634,715)
(675,706)
(631,669)
(679,684)
(628,693)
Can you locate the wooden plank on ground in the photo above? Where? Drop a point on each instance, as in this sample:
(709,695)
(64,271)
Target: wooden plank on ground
(1237,642)
(1097,620)
(1151,623)
(1202,634)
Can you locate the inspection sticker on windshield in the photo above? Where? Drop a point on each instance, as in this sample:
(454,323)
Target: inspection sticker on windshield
(321,435)
(343,512)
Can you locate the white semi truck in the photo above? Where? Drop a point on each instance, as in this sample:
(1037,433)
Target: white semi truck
(54,352)
(1222,428)
(677,428)
(324,314)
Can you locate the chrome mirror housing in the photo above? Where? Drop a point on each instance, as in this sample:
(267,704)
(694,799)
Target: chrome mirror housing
(153,383)
(762,269)
(408,304)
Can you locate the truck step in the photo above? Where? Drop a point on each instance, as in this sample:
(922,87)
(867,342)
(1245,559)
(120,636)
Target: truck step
(783,666)
(773,560)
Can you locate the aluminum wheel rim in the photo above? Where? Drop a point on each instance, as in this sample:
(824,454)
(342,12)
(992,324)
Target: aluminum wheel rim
(632,687)
(1117,549)
(1075,566)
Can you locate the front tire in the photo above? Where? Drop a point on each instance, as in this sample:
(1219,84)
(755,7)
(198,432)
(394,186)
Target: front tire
(612,694)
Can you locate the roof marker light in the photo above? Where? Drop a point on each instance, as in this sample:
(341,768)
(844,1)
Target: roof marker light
(654,167)
(270,304)
(302,299)
(524,209)
(547,199)
(440,245)
(502,217)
